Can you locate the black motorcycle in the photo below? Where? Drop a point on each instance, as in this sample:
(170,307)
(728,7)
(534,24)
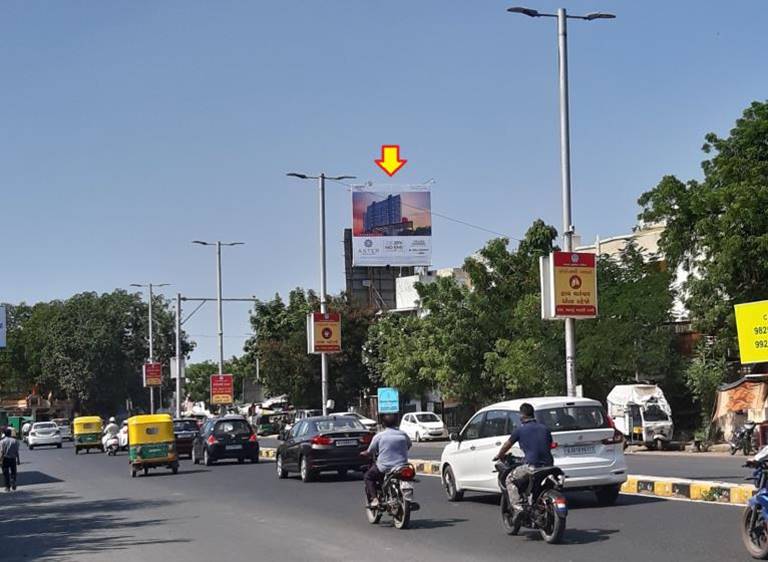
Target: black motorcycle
(544,507)
(395,497)
(744,439)
(754,518)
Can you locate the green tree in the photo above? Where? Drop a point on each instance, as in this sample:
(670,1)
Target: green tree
(717,228)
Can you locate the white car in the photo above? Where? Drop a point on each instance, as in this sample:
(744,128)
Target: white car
(65,427)
(586,446)
(369,424)
(44,433)
(421,426)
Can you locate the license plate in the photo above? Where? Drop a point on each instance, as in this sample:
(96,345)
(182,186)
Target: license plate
(234,447)
(579,450)
(346,442)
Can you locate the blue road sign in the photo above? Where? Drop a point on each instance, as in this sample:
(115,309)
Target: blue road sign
(389,400)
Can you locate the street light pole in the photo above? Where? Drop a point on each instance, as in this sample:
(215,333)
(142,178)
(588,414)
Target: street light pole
(323,276)
(178,355)
(565,163)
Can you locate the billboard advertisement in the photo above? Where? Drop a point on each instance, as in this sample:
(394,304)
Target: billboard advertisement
(752,329)
(391,226)
(222,389)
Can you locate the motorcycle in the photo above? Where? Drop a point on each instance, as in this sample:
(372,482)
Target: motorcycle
(754,519)
(111,444)
(744,439)
(395,497)
(544,509)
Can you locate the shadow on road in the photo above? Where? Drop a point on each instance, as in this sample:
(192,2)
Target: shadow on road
(576,500)
(587,536)
(435,523)
(50,525)
(30,477)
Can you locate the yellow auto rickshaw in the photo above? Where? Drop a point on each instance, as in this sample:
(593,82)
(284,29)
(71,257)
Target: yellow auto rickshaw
(87,433)
(151,443)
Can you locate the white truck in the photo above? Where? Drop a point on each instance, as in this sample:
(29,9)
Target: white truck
(641,412)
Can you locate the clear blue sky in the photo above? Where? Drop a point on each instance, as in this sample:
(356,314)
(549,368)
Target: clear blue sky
(128,129)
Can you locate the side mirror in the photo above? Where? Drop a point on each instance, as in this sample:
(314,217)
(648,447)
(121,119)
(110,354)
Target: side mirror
(454,436)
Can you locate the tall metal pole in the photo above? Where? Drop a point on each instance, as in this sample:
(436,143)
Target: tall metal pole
(221,324)
(565,172)
(323,305)
(151,352)
(178,355)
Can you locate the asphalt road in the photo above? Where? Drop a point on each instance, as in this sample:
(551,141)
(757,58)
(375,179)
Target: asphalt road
(88,508)
(675,464)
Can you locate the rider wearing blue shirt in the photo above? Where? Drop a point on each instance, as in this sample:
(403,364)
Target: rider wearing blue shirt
(391,450)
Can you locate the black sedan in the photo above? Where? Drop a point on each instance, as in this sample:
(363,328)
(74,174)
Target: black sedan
(321,444)
(226,437)
(185,430)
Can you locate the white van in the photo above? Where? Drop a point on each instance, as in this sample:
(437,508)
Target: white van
(586,447)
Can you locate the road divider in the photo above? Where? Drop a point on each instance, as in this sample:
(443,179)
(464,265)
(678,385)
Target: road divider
(654,486)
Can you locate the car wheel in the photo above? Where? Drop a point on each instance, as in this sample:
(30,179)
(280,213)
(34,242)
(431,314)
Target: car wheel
(607,495)
(207,460)
(193,456)
(240,460)
(255,460)
(449,485)
(281,472)
(418,437)
(58,445)
(306,474)
(31,447)
(146,471)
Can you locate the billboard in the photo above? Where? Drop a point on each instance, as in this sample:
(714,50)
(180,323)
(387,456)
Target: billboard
(153,374)
(391,226)
(752,329)
(324,332)
(388,400)
(568,285)
(222,389)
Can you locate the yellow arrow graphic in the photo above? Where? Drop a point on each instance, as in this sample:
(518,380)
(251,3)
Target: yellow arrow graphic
(390,160)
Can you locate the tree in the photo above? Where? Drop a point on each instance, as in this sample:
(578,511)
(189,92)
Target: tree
(717,229)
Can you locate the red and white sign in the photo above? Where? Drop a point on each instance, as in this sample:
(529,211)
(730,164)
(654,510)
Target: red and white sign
(153,374)
(324,332)
(222,389)
(569,285)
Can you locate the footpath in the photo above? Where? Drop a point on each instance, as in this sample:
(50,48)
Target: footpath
(654,486)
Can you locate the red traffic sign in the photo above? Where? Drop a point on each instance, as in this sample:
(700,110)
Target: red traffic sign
(222,389)
(153,374)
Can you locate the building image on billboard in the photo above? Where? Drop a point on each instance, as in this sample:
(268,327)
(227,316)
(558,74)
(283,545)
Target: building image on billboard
(391,227)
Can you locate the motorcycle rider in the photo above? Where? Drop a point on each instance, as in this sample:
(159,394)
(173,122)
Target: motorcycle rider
(110,432)
(535,440)
(391,446)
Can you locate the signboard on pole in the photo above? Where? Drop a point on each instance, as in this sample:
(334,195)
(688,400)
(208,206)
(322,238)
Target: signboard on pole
(222,389)
(752,329)
(324,332)
(175,370)
(3,326)
(568,285)
(391,226)
(389,400)
(153,374)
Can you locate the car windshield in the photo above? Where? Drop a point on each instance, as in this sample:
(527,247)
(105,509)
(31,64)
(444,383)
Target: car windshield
(185,425)
(47,425)
(653,412)
(427,418)
(572,418)
(236,427)
(338,424)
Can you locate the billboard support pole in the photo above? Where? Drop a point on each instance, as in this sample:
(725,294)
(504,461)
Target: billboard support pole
(151,353)
(323,304)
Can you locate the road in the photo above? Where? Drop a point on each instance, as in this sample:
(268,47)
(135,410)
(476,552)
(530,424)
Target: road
(722,468)
(88,508)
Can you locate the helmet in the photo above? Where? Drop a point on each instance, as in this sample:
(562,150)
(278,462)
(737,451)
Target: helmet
(112,420)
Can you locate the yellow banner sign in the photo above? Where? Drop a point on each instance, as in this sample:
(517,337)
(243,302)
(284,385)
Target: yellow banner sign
(574,285)
(752,327)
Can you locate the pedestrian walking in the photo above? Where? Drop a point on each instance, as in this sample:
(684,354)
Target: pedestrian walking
(9,457)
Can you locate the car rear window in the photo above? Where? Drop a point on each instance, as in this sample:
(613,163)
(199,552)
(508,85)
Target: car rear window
(572,418)
(338,424)
(236,427)
(185,425)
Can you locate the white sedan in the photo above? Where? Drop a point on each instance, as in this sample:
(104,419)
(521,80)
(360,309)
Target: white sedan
(421,426)
(44,434)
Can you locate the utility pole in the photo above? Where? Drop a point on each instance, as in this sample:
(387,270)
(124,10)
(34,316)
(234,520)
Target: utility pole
(565,162)
(323,302)
(179,370)
(149,287)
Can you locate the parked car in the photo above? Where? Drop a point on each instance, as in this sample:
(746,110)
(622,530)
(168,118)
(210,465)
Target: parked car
(368,423)
(422,426)
(225,437)
(321,444)
(587,447)
(44,434)
(185,430)
(65,426)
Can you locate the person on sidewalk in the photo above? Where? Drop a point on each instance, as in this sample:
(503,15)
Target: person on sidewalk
(9,456)
(391,446)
